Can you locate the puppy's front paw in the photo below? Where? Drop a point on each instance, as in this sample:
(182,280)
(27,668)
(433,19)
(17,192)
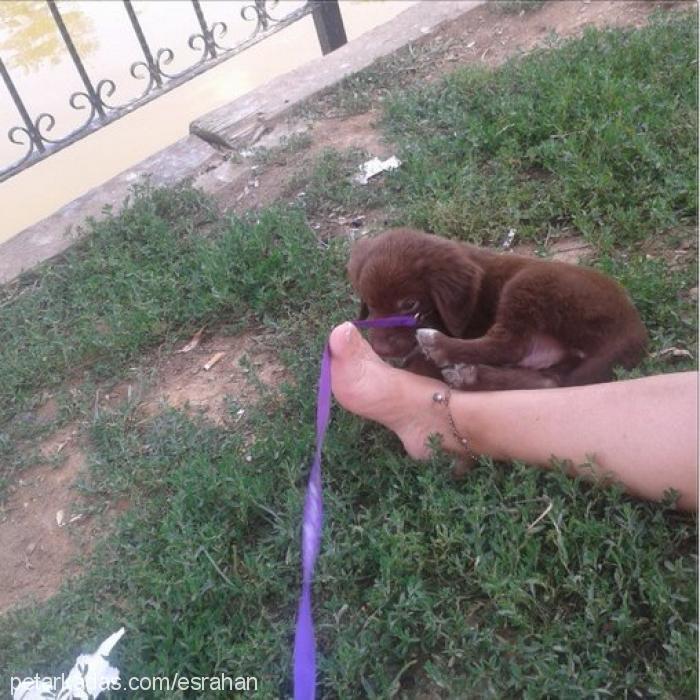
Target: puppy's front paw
(461,376)
(431,343)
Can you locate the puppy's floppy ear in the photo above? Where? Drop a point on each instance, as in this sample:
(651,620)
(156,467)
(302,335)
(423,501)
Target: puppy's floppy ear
(358,257)
(455,290)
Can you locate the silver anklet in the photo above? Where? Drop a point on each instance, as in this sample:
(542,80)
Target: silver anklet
(444,399)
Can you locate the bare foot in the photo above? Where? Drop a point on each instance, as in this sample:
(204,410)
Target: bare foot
(401,401)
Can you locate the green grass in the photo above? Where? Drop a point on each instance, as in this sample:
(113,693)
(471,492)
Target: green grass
(367,89)
(281,154)
(598,137)
(514,7)
(328,186)
(598,596)
(64,322)
(142,275)
(661,295)
(424,587)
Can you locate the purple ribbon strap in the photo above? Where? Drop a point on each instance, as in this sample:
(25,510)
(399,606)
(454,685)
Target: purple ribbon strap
(305,640)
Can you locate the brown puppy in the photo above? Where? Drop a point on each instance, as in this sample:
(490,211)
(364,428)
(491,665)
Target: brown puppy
(494,321)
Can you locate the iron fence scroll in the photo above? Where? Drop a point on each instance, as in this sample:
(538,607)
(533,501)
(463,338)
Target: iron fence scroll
(208,42)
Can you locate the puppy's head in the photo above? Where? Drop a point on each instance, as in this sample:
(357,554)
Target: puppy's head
(404,271)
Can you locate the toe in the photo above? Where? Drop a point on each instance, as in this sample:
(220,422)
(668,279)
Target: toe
(346,341)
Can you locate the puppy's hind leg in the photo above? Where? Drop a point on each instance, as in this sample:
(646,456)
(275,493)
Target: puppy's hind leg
(627,351)
(489,378)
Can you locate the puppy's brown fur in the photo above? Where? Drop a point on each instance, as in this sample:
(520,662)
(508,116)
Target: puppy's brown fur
(494,321)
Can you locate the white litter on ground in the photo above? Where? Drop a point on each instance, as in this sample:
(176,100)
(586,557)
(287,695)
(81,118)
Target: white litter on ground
(510,237)
(90,676)
(375,166)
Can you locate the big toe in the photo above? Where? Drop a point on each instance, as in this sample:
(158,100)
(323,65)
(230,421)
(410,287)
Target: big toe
(345,340)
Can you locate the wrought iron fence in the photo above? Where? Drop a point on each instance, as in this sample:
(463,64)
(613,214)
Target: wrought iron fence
(33,133)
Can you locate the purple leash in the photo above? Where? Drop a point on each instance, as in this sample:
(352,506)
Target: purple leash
(305,640)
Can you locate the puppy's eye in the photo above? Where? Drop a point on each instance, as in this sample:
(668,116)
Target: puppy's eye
(409,306)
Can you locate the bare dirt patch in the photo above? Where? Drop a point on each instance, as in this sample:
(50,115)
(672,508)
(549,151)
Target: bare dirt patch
(489,36)
(41,533)
(572,249)
(241,185)
(45,523)
(358,131)
(675,247)
(242,364)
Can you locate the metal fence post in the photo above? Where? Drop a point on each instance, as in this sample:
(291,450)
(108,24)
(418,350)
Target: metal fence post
(94,98)
(329,25)
(29,126)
